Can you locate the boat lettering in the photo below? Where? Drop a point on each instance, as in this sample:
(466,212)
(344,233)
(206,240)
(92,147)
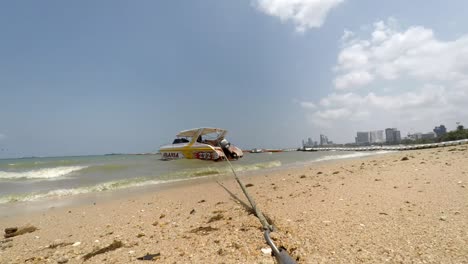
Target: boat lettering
(171,155)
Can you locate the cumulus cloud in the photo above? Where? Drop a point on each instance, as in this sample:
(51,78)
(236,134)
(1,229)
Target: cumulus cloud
(309,105)
(404,77)
(355,78)
(304,13)
(434,103)
(390,54)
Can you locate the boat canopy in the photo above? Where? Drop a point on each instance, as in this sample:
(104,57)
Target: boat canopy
(201,131)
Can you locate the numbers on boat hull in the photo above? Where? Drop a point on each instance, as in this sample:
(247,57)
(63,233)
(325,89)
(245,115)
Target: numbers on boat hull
(205,155)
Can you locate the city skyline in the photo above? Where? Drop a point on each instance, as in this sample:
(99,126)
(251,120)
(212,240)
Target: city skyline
(387,135)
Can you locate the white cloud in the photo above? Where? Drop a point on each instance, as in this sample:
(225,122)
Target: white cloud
(395,77)
(304,13)
(390,54)
(309,105)
(355,78)
(380,111)
(333,114)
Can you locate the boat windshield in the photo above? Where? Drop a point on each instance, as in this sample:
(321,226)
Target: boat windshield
(212,139)
(180,141)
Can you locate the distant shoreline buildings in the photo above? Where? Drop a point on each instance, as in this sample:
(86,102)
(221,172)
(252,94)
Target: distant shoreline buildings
(392,136)
(440,130)
(370,137)
(323,142)
(389,136)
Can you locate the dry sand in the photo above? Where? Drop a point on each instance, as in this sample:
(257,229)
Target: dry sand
(375,210)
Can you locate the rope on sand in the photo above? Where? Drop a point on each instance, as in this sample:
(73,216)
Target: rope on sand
(281,254)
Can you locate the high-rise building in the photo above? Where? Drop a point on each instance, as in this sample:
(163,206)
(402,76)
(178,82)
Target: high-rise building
(309,143)
(440,130)
(362,138)
(392,135)
(376,136)
(429,135)
(323,140)
(397,136)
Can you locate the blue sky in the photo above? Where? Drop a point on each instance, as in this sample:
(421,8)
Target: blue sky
(93,77)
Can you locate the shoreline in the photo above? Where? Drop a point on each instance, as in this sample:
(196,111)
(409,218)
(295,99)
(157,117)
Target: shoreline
(13,209)
(374,209)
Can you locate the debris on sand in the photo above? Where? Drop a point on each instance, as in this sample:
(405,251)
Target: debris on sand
(149,256)
(216,218)
(60,244)
(336,172)
(266,251)
(16,231)
(62,260)
(249,185)
(404,158)
(193,211)
(115,245)
(302,176)
(203,230)
(202,201)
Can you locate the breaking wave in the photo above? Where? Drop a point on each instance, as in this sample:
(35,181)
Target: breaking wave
(259,166)
(45,173)
(219,170)
(107,186)
(351,155)
(125,183)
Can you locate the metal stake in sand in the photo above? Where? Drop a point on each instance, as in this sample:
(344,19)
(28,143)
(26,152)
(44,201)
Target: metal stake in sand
(281,255)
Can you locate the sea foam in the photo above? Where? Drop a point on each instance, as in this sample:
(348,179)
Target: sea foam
(45,173)
(351,155)
(102,187)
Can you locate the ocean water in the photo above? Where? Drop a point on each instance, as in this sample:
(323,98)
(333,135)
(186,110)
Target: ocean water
(28,180)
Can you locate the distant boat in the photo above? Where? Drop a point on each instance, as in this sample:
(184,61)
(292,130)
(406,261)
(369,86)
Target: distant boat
(306,149)
(256,150)
(190,144)
(272,150)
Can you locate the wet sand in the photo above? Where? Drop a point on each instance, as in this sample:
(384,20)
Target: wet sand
(405,207)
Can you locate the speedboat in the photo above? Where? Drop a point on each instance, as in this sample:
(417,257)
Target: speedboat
(256,150)
(201,143)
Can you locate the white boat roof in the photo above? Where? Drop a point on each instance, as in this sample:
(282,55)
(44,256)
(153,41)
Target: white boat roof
(205,130)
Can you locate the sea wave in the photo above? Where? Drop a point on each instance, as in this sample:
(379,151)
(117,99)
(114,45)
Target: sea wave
(45,173)
(259,166)
(351,155)
(28,164)
(107,186)
(219,170)
(116,184)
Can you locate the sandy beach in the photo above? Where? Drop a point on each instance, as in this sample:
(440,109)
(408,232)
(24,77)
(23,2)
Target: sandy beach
(403,207)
